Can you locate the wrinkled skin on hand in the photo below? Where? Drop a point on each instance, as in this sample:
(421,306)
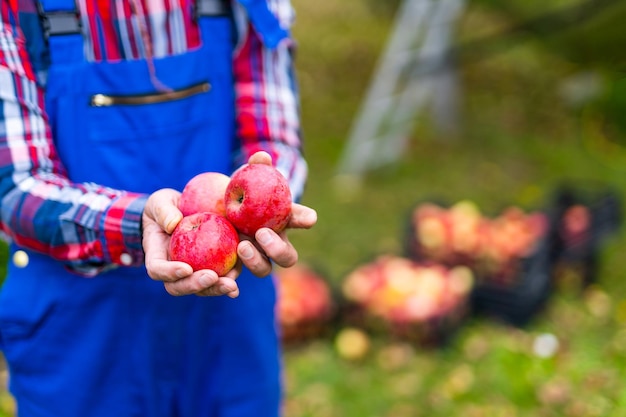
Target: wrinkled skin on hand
(161,216)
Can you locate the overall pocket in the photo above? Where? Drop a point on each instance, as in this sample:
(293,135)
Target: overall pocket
(123,117)
(114,128)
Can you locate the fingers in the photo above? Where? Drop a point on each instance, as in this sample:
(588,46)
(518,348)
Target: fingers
(302,217)
(277,247)
(271,246)
(162,208)
(226,286)
(155,244)
(167,271)
(203,283)
(253,259)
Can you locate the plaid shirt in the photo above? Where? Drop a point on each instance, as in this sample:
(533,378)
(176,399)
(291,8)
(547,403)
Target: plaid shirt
(90,227)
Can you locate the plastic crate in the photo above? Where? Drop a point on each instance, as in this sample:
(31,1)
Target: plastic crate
(514,290)
(518,303)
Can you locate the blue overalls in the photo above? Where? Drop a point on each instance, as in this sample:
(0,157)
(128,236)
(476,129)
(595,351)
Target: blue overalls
(118,345)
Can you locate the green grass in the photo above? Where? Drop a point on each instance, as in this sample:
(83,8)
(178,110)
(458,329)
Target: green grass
(518,141)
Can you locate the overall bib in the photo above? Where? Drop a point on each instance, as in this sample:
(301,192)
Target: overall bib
(117,345)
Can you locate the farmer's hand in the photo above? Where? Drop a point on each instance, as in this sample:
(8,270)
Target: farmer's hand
(268,245)
(161,215)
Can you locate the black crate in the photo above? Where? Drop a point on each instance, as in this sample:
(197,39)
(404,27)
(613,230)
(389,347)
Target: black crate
(517,303)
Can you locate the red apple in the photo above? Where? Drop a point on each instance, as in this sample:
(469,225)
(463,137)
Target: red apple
(205,241)
(204,192)
(258,196)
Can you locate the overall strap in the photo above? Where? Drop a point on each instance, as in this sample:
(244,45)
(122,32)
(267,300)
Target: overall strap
(62,30)
(265,22)
(59,17)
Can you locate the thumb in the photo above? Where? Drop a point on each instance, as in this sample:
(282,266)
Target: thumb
(162,208)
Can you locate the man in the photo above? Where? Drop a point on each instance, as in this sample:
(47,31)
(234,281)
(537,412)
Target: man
(107,108)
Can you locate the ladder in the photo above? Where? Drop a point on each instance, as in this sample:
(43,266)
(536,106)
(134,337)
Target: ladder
(415,69)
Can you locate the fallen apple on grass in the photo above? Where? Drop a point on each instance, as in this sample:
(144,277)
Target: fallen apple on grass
(352,343)
(205,241)
(257,196)
(204,192)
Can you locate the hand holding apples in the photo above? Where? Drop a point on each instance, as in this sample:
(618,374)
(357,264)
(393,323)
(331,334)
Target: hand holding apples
(161,216)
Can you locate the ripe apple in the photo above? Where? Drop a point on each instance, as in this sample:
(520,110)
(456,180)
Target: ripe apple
(204,192)
(257,196)
(205,241)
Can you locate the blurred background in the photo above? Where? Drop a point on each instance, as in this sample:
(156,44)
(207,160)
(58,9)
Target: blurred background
(477,112)
(531,98)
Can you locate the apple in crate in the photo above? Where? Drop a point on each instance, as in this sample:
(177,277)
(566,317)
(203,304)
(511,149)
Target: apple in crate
(204,192)
(205,241)
(257,196)
(445,234)
(575,225)
(415,292)
(402,292)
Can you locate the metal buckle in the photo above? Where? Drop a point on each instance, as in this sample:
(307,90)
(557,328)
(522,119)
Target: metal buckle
(59,22)
(211,8)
